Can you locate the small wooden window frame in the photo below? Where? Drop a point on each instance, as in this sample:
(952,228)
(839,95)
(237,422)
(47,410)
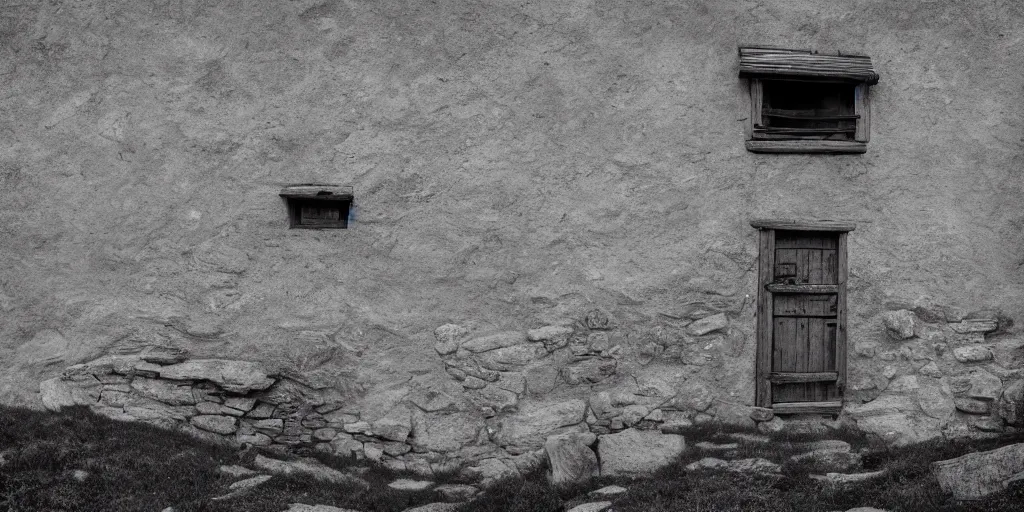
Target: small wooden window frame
(859,144)
(766,264)
(759,64)
(317,196)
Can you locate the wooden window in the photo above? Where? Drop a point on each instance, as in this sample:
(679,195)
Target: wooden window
(803,102)
(801,316)
(318,206)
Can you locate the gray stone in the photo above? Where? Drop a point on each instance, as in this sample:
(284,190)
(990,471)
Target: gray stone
(448,337)
(208,408)
(761,414)
(935,398)
(634,452)
(708,324)
(309,467)
(233,376)
(395,426)
(598,319)
(495,341)
(347,447)
(270,426)
(236,471)
(405,484)
(1011,404)
(249,483)
(976,383)
(569,459)
(324,434)
(435,507)
(302,507)
(975,325)
(899,324)
(848,478)
(240,403)
(772,426)
(589,371)
(548,332)
(972,405)
(972,354)
(164,391)
(714,447)
(734,415)
(256,439)
(752,465)
(597,506)
(456,492)
(977,475)
(607,491)
(537,420)
(442,432)
(56,393)
(217,424)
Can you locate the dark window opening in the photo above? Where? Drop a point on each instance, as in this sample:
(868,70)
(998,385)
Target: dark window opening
(318,206)
(807,110)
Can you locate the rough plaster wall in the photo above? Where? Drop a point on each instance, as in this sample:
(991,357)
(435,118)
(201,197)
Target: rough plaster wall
(514,164)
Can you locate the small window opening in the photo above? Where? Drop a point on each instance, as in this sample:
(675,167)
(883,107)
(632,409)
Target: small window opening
(793,109)
(318,206)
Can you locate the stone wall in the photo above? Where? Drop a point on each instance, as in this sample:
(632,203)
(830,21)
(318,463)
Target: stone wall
(938,372)
(516,166)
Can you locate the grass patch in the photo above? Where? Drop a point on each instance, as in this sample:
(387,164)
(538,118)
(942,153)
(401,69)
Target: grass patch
(907,486)
(75,460)
(131,467)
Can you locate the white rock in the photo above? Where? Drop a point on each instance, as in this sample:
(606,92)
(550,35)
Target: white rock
(899,324)
(708,324)
(972,354)
(604,492)
(249,483)
(234,376)
(404,484)
(633,452)
(569,459)
(597,506)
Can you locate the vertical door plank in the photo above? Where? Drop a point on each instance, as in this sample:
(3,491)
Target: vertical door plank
(801,362)
(803,269)
(814,267)
(841,277)
(785,357)
(763,362)
(828,264)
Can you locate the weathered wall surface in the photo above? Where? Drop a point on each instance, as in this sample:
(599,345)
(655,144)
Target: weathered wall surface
(515,165)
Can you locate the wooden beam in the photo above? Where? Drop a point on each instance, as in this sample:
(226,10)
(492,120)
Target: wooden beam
(812,289)
(842,275)
(862,106)
(806,146)
(807,407)
(756,102)
(789,377)
(803,225)
(763,362)
(318,192)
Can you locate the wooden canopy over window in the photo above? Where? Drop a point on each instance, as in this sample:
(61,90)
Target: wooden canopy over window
(779,63)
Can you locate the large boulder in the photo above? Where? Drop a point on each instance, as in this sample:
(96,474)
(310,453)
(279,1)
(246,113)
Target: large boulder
(234,376)
(570,459)
(533,423)
(976,475)
(636,452)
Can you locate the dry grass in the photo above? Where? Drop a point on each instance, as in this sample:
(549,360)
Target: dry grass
(135,467)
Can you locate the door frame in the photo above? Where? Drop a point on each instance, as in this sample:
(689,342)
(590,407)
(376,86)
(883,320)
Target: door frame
(766,265)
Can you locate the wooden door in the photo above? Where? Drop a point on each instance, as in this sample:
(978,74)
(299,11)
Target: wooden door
(801,332)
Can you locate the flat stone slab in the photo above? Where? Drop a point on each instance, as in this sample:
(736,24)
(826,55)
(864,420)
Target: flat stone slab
(249,483)
(435,507)
(611,490)
(752,465)
(633,452)
(456,492)
(302,507)
(404,484)
(597,506)
(976,475)
(704,445)
(846,478)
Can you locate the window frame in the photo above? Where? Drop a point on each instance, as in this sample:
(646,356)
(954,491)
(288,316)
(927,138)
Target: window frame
(759,64)
(317,196)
